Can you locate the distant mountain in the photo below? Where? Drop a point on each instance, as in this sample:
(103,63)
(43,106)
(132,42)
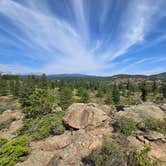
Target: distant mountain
(128,76)
(161,75)
(114,77)
(107,78)
(68,75)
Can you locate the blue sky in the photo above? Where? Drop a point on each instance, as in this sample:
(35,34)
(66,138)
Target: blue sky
(100,37)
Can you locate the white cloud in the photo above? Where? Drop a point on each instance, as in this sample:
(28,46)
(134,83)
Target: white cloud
(65,44)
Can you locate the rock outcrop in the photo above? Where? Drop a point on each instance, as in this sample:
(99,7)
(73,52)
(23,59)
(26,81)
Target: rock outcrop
(92,122)
(141,112)
(80,116)
(68,149)
(154,136)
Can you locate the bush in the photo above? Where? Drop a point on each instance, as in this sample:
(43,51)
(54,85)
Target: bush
(41,128)
(141,158)
(14,151)
(112,153)
(126,126)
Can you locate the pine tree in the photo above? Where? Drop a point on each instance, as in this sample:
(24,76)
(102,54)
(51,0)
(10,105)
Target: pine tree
(39,103)
(16,87)
(115,94)
(43,82)
(85,97)
(108,99)
(65,98)
(3,87)
(144,92)
(154,87)
(163,90)
(100,93)
(80,91)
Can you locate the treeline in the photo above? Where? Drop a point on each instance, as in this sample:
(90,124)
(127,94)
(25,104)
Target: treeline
(64,92)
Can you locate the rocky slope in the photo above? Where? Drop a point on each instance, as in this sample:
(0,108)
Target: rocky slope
(72,146)
(88,125)
(152,115)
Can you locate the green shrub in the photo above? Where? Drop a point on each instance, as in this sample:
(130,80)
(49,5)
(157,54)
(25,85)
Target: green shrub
(126,126)
(141,158)
(50,124)
(14,151)
(110,154)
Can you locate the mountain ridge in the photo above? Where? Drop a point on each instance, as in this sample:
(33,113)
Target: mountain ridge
(82,76)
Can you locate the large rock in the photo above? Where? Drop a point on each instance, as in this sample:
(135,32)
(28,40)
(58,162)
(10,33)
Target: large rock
(158,151)
(81,115)
(67,149)
(142,112)
(154,136)
(134,142)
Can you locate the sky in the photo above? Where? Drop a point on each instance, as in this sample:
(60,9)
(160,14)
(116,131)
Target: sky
(94,37)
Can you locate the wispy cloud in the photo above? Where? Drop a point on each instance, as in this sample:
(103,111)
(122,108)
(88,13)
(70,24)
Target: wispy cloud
(131,65)
(135,26)
(65,45)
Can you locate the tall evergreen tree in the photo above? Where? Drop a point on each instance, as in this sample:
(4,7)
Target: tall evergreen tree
(163,90)
(65,98)
(43,81)
(115,94)
(85,97)
(3,86)
(144,92)
(39,103)
(100,93)
(154,87)
(16,88)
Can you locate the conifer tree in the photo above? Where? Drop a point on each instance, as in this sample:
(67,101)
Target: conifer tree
(163,90)
(115,94)
(39,103)
(144,92)
(85,97)
(65,98)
